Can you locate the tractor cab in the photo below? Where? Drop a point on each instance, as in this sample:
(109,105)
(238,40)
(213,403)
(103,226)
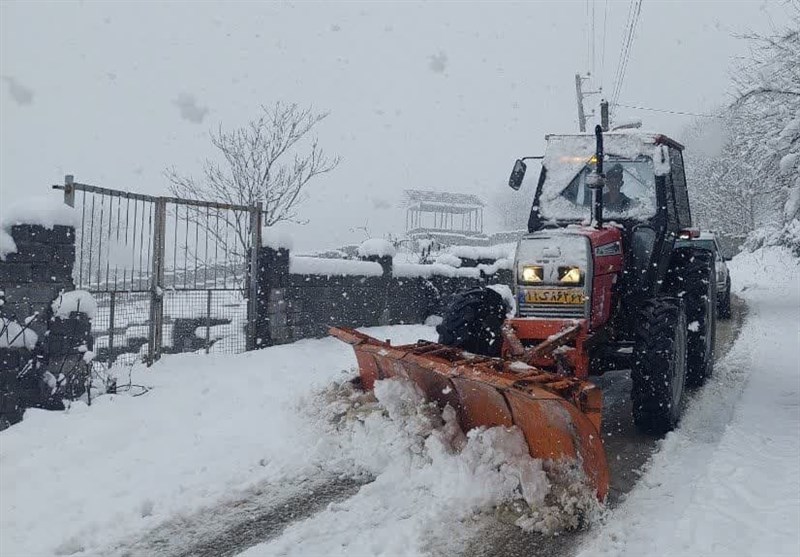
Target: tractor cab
(620,200)
(644,181)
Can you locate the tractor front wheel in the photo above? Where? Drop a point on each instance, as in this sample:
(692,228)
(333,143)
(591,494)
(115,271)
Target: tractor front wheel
(658,372)
(473,321)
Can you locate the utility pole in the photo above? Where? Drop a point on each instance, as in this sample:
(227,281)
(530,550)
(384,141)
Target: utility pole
(579,93)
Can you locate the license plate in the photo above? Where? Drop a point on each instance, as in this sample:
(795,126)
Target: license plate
(570,296)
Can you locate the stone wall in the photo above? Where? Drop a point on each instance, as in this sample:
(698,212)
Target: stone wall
(297,306)
(32,277)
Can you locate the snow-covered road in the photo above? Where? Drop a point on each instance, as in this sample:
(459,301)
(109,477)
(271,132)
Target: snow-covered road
(225,452)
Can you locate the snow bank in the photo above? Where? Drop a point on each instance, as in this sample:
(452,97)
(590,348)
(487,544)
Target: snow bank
(76,300)
(333,267)
(376,247)
(766,267)
(14,335)
(275,238)
(46,210)
(726,482)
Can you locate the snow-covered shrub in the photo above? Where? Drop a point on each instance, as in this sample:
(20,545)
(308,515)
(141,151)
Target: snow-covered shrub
(74,301)
(14,335)
(376,247)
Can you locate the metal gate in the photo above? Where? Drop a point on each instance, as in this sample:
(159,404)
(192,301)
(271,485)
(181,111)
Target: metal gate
(169,275)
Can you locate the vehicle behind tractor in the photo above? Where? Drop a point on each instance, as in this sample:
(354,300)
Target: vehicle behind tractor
(600,284)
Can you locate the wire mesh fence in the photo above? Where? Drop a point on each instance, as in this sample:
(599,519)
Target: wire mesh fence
(169,275)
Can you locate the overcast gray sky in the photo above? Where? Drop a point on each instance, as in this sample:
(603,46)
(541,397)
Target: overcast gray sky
(433,96)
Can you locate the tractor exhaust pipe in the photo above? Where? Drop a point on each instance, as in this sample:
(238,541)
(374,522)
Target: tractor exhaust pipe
(597,180)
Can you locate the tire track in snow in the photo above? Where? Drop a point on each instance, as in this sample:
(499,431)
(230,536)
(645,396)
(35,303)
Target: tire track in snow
(258,515)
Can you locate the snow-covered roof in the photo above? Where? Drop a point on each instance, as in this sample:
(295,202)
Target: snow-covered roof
(442,201)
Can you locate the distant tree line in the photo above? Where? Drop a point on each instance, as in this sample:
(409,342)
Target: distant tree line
(744,168)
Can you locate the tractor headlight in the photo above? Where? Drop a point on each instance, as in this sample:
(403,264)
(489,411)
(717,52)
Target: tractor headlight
(570,275)
(532,273)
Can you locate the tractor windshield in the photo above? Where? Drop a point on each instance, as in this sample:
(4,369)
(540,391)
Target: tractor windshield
(630,179)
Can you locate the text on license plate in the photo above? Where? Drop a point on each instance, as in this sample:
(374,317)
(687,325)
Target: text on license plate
(554,296)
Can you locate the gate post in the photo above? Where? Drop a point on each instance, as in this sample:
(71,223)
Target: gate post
(157,283)
(252,295)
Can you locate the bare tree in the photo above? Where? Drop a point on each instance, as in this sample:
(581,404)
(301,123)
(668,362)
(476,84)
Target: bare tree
(271,161)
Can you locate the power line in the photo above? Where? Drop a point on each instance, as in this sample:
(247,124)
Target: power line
(680,112)
(633,19)
(625,35)
(603,55)
(592,67)
(631,38)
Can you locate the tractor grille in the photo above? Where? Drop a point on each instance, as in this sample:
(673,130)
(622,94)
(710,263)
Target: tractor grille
(551,310)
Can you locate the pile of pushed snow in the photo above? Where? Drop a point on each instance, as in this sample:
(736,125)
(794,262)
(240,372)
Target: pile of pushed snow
(47,211)
(376,247)
(429,477)
(74,301)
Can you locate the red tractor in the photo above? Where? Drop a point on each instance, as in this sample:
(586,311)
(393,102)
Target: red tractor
(599,284)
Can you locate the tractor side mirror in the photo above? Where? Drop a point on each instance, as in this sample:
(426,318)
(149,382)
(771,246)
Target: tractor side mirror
(517,175)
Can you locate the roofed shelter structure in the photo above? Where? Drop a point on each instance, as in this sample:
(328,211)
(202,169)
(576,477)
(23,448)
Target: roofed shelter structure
(444,216)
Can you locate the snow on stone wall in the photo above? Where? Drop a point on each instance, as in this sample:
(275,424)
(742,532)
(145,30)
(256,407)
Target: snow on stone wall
(303,296)
(331,267)
(46,211)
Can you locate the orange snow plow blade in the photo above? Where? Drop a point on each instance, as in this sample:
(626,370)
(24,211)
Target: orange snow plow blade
(559,416)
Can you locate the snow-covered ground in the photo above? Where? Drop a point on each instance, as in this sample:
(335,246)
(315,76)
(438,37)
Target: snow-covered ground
(727,482)
(209,425)
(217,439)
(213,429)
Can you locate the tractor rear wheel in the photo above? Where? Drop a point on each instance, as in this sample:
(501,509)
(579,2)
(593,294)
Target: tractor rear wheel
(473,321)
(693,278)
(658,372)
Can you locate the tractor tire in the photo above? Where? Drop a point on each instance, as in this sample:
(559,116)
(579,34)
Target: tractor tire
(473,321)
(658,370)
(724,307)
(693,278)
